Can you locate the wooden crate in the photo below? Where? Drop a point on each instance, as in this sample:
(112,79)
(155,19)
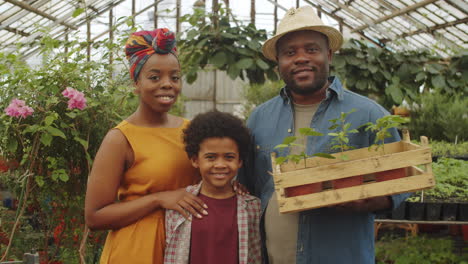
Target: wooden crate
(403,154)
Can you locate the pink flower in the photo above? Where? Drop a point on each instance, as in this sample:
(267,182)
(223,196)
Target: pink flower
(76,98)
(18,108)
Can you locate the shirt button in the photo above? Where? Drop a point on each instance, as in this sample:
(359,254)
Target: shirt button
(289,130)
(258,147)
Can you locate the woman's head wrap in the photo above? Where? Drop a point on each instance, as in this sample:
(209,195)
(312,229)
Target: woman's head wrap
(142,44)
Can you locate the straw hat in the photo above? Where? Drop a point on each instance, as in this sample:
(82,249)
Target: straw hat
(302,18)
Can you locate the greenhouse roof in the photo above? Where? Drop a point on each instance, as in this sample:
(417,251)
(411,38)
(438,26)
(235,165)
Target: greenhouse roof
(441,25)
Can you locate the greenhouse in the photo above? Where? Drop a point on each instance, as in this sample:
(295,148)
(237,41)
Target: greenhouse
(345,121)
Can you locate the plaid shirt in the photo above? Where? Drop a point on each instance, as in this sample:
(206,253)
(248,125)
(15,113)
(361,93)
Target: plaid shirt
(178,231)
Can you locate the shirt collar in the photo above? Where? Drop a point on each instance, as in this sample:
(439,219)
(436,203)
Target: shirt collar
(335,88)
(195,190)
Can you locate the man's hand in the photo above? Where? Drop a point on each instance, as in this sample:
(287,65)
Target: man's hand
(367,205)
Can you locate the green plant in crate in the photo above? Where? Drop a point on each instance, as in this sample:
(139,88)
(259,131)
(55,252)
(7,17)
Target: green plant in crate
(288,142)
(381,127)
(340,138)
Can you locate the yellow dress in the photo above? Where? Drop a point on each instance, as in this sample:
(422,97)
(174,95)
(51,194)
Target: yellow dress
(161,164)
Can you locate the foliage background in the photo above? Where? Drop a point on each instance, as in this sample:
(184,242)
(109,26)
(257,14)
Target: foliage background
(49,154)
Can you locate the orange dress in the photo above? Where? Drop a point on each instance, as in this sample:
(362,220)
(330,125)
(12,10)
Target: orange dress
(161,164)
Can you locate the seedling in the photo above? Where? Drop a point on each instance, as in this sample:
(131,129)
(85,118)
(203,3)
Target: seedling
(381,127)
(341,139)
(288,142)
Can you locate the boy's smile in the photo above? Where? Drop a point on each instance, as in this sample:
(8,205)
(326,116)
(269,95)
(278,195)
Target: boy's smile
(218,162)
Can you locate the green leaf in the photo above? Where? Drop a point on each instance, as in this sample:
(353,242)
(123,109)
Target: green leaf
(420,76)
(281,160)
(83,142)
(245,52)
(64,177)
(219,59)
(31,129)
(244,63)
(201,43)
(191,34)
(253,45)
(307,131)
(373,68)
(353,60)
(49,120)
(12,145)
(78,12)
(228,35)
(333,134)
(39,180)
(272,75)
(46,139)
(361,84)
(56,132)
(72,115)
(387,75)
(263,65)
(289,140)
(395,93)
(324,155)
(233,71)
(338,62)
(281,146)
(438,82)
(191,77)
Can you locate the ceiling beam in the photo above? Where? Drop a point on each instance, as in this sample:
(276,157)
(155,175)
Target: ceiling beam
(460,5)
(416,23)
(436,27)
(358,15)
(397,13)
(341,21)
(16,31)
(38,12)
(121,22)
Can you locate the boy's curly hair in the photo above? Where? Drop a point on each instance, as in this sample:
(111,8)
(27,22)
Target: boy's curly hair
(215,124)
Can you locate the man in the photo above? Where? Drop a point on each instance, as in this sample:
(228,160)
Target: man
(303,48)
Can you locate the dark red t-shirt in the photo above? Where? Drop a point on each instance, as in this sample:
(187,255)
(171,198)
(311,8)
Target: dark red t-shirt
(214,238)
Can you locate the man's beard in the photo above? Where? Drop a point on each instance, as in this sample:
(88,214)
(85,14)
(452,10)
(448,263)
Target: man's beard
(320,80)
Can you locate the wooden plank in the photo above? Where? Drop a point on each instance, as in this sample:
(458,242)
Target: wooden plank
(355,154)
(353,168)
(332,197)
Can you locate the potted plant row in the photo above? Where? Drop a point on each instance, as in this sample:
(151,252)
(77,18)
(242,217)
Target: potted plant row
(447,201)
(305,182)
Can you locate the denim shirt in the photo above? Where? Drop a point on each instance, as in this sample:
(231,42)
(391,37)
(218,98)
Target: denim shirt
(325,235)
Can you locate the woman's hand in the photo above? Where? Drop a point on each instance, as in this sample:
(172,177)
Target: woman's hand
(183,202)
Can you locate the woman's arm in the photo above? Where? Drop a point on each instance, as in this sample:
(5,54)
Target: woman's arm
(101,209)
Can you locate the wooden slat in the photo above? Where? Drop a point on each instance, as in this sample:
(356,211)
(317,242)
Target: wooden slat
(352,154)
(327,198)
(353,168)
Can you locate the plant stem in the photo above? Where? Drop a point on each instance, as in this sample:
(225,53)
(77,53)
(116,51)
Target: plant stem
(27,191)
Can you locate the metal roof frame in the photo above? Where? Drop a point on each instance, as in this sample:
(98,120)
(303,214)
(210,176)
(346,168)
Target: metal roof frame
(396,24)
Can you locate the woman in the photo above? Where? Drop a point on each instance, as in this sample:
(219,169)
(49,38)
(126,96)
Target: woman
(142,160)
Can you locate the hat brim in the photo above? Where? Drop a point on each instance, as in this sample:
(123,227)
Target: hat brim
(335,39)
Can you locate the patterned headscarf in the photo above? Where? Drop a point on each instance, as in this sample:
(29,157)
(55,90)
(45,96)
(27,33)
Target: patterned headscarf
(142,44)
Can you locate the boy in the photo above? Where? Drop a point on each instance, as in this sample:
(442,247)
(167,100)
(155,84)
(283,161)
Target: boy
(216,143)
